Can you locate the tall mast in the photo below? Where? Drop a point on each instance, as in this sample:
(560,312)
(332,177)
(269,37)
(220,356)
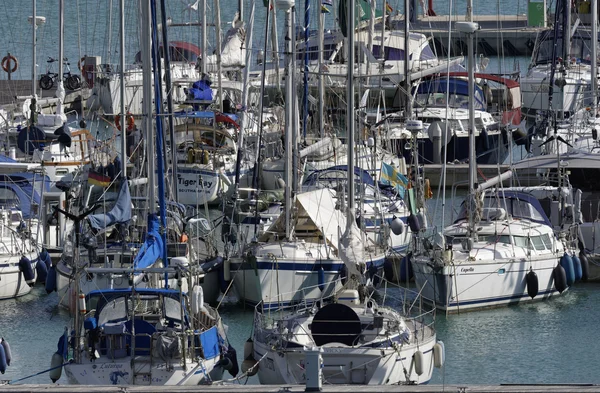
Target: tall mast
(218,50)
(169,90)
(289,117)
(146,44)
(33,58)
(350,107)
(122,88)
(306,35)
(594,54)
(203,40)
(469,28)
(60,90)
(320,75)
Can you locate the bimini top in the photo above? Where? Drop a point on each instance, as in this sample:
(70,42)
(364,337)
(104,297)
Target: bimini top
(20,191)
(518,204)
(111,305)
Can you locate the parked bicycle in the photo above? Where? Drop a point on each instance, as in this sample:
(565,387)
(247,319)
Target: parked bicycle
(72,82)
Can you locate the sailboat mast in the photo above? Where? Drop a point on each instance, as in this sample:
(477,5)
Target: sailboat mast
(203,54)
(321,101)
(408,103)
(594,55)
(122,88)
(350,105)
(218,50)
(169,90)
(61,28)
(146,43)
(33,59)
(289,117)
(306,35)
(469,28)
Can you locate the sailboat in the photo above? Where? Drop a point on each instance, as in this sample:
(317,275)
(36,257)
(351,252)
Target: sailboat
(147,336)
(501,250)
(348,338)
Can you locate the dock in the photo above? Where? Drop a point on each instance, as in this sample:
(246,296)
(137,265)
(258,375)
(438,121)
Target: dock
(533,388)
(508,35)
(458,174)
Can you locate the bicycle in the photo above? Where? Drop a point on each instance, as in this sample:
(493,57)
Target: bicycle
(72,82)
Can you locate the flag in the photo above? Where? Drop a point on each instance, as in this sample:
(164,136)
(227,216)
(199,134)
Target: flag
(98,179)
(324,10)
(388,8)
(391,176)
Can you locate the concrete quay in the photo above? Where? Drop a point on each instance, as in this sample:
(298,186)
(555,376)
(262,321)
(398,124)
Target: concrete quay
(508,35)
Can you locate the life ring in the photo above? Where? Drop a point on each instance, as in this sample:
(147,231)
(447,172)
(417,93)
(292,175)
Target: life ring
(6,60)
(80,64)
(130,122)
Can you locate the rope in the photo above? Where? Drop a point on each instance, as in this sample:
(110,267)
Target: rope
(36,374)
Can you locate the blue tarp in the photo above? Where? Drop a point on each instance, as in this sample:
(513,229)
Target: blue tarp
(120,213)
(201,91)
(152,248)
(210,343)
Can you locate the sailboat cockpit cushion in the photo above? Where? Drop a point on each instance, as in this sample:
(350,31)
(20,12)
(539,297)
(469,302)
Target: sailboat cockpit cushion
(336,323)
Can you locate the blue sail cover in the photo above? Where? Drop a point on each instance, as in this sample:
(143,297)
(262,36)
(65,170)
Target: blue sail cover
(152,248)
(120,213)
(26,187)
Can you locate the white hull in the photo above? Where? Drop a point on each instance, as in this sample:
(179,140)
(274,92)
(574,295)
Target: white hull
(477,285)
(119,372)
(348,365)
(12,282)
(279,280)
(535,89)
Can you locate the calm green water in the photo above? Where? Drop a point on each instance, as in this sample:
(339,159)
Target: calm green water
(544,342)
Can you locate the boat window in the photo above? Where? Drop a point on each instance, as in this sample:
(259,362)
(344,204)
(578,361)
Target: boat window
(538,244)
(521,241)
(427,54)
(547,241)
(504,239)
(390,53)
(114,310)
(172,309)
(9,199)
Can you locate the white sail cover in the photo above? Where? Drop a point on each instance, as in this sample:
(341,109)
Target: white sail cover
(233,53)
(352,249)
(320,206)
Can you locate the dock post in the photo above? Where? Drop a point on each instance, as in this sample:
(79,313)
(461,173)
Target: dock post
(312,368)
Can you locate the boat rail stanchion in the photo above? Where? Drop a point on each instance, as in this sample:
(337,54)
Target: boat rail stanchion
(313,368)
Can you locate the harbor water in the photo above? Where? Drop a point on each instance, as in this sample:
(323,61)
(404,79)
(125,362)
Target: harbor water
(543,342)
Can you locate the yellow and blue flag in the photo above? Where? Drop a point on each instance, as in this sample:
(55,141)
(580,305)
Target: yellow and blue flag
(391,176)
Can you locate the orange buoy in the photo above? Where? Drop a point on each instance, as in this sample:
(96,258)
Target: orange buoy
(129,120)
(6,63)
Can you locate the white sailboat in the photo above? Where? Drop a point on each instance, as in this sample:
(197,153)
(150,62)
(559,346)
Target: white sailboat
(501,250)
(352,340)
